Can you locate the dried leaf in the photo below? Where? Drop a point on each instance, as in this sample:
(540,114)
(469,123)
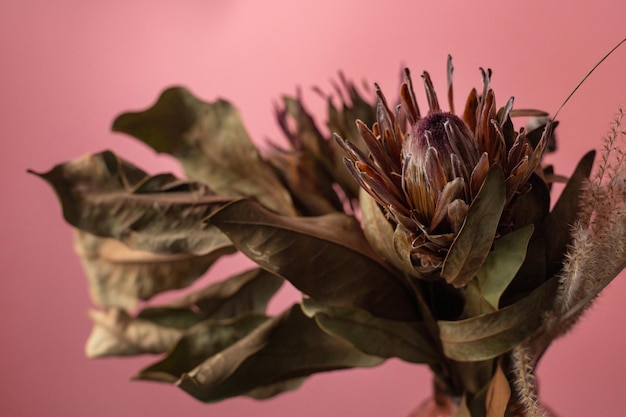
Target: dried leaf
(109,197)
(498,394)
(531,274)
(533,206)
(499,269)
(115,333)
(490,335)
(246,293)
(380,233)
(120,276)
(475,303)
(199,343)
(210,142)
(471,246)
(503,263)
(334,263)
(156,329)
(282,349)
(565,212)
(270,390)
(408,341)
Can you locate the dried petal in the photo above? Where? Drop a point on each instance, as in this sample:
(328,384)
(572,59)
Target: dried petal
(451,191)
(457,212)
(479,173)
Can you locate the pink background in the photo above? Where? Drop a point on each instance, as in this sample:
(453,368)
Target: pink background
(68,67)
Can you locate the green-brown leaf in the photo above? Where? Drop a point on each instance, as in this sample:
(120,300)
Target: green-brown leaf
(325,257)
(380,233)
(560,221)
(120,277)
(471,246)
(211,143)
(408,341)
(286,348)
(109,197)
(498,271)
(490,335)
(155,329)
(199,343)
(246,293)
(115,333)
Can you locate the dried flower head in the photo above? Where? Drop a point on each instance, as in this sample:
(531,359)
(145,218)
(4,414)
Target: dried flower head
(425,171)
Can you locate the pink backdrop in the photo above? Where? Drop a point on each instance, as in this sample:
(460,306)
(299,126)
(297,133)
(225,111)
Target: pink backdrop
(68,67)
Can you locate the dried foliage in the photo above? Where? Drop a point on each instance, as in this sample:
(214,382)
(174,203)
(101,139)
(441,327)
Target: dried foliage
(424,236)
(597,252)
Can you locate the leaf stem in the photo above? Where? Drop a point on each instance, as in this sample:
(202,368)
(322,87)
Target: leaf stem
(587,75)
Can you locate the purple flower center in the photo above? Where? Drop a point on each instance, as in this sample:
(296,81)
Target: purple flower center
(434,123)
(447,134)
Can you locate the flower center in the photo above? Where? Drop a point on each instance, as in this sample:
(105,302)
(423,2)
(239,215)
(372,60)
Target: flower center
(448,135)
(434,123)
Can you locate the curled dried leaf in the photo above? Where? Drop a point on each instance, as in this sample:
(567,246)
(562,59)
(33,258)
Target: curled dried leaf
(109,197)
(212,144)
(121,277)
(115,333)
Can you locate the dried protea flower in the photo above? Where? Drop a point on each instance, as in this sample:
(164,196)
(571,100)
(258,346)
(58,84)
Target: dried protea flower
(427,171)
(311,167)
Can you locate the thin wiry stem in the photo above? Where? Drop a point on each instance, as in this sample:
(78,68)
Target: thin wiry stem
(588,74)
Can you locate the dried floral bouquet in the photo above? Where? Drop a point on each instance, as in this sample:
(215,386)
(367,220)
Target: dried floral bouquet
(420,235)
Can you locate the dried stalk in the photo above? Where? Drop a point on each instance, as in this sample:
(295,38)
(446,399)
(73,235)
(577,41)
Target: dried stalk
(598,249)
(524,382)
